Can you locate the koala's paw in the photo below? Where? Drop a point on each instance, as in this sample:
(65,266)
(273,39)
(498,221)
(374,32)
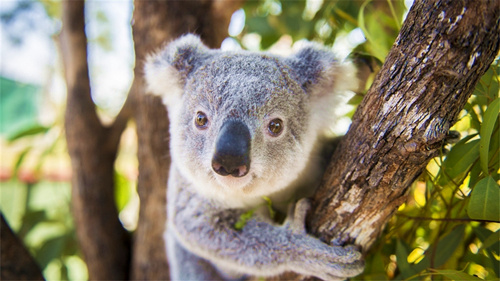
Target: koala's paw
(316,258)
(296,217)
(336,263)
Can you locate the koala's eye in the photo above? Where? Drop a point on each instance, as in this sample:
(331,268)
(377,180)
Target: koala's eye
(201,120)
(275,127)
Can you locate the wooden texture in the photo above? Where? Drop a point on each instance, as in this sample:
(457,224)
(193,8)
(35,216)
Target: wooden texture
(109,252)
(104,242)
(155,24)
(443,49)
(16,262)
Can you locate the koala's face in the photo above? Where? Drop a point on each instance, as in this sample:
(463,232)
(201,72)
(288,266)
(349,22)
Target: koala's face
(242,124)
(242,127)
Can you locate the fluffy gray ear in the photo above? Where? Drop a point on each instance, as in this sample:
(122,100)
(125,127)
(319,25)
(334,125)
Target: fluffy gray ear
(167,70)
(324,79)
(319,72)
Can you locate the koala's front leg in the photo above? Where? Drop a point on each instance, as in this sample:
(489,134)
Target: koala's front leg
(326,262)
(260,248)
(187,266)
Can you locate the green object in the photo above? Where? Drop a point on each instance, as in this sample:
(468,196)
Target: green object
(18,106)
(483,203)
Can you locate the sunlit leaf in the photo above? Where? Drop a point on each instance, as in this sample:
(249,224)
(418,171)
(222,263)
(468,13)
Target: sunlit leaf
(30,220)
(490,118)
(28,131)
(269,205)
(491,245)
(484,203)
(20,159)
(459,159)
(123,191)
(456,275)
(444,249)
(243,219)
(50,250)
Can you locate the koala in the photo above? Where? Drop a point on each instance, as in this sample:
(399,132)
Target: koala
(246,128)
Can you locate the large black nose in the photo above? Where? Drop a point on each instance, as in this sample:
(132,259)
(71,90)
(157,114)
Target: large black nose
(232,150)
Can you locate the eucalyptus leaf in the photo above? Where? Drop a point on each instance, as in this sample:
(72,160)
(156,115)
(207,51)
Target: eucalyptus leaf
(459,160)
(123,191)
(456,275)
(27,131)
(490,118)
(493,242)
(444,249)
(50,250)
(244,218)
(402,252)
(484,200)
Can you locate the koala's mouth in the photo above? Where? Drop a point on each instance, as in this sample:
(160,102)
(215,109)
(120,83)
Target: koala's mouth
(234,182)
(236,172)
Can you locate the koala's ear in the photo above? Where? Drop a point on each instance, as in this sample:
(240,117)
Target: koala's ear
(319,72)
(167,70)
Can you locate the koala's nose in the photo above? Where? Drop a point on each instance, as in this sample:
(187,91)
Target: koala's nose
(232,150)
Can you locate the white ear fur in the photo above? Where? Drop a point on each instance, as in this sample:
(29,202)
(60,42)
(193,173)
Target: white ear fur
(166,71)
(163,80)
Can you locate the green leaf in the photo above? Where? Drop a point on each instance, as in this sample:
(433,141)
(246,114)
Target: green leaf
(20,159)
(51,249)
(30,219)
(484,200)
(123,191)
(244,218)
(402,252)
(269,205)
(474,175)
(492,242)
(491,245)
(456,275)
(487,127)
(356,99)
(28,131)
(459,160)
(444,249)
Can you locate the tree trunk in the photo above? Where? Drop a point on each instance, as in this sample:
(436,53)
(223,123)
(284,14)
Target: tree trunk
(16,262)
(105,244)
(443,49)
(156,23)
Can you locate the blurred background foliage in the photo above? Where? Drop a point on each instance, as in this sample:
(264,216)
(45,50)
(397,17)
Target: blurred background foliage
(447,230)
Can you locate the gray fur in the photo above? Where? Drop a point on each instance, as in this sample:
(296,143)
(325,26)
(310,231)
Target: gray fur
(203,206)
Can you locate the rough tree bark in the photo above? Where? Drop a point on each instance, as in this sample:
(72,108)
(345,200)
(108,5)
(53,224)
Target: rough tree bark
(104,242)
(106,245)
(16,262)
(442,50)
(156,23)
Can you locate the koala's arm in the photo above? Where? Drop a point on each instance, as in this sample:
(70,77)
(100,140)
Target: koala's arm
(260,248)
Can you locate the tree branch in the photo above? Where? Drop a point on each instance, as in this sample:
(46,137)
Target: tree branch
(156,23)
(104,242)
(16,262)
(443,49)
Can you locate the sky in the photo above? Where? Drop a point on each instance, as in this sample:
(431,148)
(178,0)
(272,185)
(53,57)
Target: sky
(35,60)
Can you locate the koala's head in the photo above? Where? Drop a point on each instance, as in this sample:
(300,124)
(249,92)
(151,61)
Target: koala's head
(243,124)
